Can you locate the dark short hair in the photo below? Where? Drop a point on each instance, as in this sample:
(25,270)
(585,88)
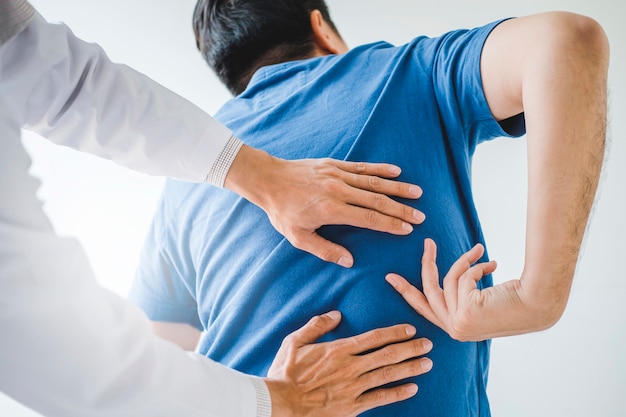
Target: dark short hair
(236,37)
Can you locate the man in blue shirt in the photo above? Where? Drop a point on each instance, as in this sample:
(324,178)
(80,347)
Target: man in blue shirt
(423,106)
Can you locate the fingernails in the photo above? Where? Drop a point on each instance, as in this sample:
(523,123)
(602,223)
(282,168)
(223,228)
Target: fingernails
(407,227)
(428,345)
(419,216)
(391,279)
(426,364)
(334,315)
(415,191)
(410,330)
(411,389)
(394,170)
(345,262)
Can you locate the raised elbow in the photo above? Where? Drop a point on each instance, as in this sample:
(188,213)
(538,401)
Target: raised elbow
(579,37)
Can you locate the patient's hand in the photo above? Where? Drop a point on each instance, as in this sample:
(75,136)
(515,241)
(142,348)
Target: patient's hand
(464,311)
(301,196)
(337,378)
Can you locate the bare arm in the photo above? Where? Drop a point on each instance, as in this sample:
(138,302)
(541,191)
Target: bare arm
(557,69)
(553,67)
(305,374)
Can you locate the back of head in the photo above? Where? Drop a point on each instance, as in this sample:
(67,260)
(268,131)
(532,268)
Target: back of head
(236,37)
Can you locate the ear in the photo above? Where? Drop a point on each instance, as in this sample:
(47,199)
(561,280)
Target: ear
(327,41)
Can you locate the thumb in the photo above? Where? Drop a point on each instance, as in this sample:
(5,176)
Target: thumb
(325,249)
(316,328)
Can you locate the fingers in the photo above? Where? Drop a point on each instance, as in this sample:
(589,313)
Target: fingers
(371,218)
(430,279)
(377,338)
(322,248)
(343,213)
(367,168)
(411,295)
(462,276)
(468,280)
(314,329)
(398,372)
(380,203)
(382,359)
(389,374)
(332,192)
(385,396)
(451,290)
(466,260)
(414,297)
(396,367)
(366,189)
(383,186)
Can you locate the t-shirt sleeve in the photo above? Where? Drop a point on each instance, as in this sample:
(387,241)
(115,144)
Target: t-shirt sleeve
(163,284)
(457,83)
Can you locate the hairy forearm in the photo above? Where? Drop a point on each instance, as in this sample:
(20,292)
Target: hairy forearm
(564,100)
(553,67)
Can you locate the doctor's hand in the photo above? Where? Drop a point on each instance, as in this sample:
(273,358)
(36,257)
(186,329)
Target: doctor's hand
(464,311)
(338,378)
(301,196)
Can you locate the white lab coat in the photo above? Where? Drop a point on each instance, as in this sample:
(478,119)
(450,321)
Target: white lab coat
(68,347)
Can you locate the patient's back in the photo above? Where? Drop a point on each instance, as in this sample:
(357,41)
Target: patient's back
(214,261)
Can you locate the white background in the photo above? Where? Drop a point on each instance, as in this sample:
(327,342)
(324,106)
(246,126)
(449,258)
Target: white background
(577,368)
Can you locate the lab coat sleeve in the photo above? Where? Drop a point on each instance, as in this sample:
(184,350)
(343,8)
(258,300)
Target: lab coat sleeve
(70,348)
(68,91)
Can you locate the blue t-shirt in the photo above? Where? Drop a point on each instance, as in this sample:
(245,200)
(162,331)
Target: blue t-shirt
(214,261)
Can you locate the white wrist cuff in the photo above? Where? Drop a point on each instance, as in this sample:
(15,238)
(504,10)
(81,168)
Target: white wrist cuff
(263,399)
(219,170)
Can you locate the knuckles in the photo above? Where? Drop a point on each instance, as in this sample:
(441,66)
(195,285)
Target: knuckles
(325,208)
(390,355)
(333,350)
(380,202)
(374,183)
(375,338)
(334,186)
(372,218)
(390,373)
(360,167)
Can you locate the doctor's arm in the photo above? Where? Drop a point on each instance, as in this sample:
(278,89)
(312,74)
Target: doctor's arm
(553,67)
(69,91)
(71,348)
(349,369)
